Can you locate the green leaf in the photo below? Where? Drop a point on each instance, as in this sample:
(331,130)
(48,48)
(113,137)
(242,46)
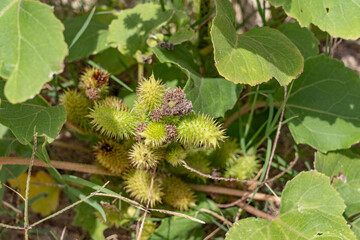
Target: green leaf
(132,28)
(181,36)
(94,38)
(325,105)
(213,96)
(303,38)
(255,56)
(31,50)
(3,129)
(35,115)
(310,208)
(86,218)
(339,18)
(180,228)
(113,61)
(348,164)
(355,227)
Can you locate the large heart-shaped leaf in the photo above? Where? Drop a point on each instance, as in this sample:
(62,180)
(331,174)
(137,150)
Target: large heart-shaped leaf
(255,56)
(93,39)
(325,104)
(213,96)
(32,47)
(310,208)
(35,115)
(303,38)
(338,17)
(344,167)
(132,28)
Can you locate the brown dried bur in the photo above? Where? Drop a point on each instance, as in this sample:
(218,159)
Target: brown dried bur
(170,132)
(139,129)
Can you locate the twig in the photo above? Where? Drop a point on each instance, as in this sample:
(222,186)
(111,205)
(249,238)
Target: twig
(26,209)
(6,204)
(11,227)
(122,198)
(177,214)
(238,214)
(70,206)
(215,215)
(212,233)
(291,165)
(217,178)
(63,233)
(276,136)
(147,205)
(229,205)
(78,167)
(232,192)
(254,211)
(21,196)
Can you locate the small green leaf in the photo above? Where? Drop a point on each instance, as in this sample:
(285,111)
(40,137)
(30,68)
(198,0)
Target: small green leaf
(86,218)
(94,38)
(303,38)
(324,103)
(35,115)
(32,47)
(310,208)
(113,61)
(345,163)
(133,26)
(339,18)
(255,56)
(180,228)
(213,96)
(181,36)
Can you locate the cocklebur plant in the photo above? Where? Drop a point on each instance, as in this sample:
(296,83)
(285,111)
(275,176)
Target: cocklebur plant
(113,119)
(177,193)
(94,83)
(160,127)
(137,184)
(77,107)
(243,167)
(113,156)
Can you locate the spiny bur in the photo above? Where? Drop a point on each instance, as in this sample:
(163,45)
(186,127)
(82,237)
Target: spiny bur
(94,81)
(245,167)
(143,156)
(226,154)
(200,130)
(198,160)
(77,107)
(113,216)
(113,119)
(113,156)
(150,93)
(177,193)
(154,134)
(137,184)
(175,154)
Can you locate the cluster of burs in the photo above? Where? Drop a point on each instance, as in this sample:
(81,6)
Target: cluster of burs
(161,131)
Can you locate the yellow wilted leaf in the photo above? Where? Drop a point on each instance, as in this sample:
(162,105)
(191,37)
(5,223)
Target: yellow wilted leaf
(39,183)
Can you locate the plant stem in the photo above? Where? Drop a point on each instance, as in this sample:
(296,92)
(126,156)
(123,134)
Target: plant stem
(261,12)
(26,209)
(140,72)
